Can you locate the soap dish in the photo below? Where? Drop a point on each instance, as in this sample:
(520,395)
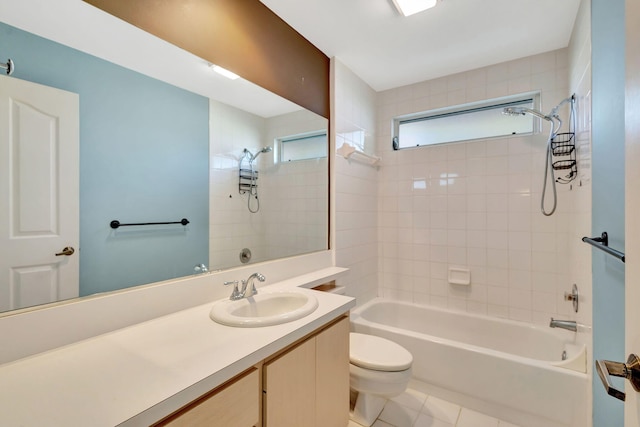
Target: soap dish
(459,276)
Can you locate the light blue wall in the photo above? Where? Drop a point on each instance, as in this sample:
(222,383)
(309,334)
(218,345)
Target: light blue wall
(144,148)
(608,62)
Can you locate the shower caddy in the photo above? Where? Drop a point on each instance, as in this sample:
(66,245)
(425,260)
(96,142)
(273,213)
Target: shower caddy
(563,146)
(247,180)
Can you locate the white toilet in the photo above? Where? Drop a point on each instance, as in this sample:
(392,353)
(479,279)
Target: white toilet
(379,369)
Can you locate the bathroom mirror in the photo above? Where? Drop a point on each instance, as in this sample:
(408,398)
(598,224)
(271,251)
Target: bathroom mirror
(162,138)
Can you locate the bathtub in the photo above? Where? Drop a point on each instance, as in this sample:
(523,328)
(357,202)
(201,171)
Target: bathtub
(511,370)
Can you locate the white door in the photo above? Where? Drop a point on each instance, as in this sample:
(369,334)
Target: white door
(632,202)
(39,205)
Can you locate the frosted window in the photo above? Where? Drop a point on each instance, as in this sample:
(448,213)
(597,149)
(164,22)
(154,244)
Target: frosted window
(462,123)
(303,147)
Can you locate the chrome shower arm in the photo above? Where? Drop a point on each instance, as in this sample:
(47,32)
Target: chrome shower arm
(554,111)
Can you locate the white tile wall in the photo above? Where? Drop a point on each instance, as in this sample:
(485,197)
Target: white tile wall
(356,194)
(476,204)
(232,227)
(293,197)
(295,194)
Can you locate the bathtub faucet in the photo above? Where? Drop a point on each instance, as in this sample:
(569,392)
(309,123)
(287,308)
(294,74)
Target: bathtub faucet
(569,325)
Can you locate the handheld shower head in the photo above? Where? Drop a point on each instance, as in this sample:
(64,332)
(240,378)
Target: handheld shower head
(521,111)
(513,111)
(264,150)
(252,157)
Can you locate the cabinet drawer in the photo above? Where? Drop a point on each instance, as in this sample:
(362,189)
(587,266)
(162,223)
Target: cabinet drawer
(236,404)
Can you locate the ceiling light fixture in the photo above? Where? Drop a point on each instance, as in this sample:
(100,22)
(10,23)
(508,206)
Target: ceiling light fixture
(409,7)
(228,74)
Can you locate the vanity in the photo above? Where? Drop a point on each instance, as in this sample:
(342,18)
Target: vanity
(304,384)
(181,368)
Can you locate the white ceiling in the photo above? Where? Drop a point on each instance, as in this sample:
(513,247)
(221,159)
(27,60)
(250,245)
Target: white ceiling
(388,50)
(368,36)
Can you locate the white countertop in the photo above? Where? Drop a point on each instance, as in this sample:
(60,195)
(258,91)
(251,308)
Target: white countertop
(137,375)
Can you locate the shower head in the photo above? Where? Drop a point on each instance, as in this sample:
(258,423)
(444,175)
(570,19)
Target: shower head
(521,111)
(252,157)
(513,111)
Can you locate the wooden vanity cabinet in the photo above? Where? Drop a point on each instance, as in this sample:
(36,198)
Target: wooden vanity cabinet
(304,385)
(332,375)
(308,384)
(234,404)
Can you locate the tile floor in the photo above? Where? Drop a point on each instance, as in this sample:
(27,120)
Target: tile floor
(416,409)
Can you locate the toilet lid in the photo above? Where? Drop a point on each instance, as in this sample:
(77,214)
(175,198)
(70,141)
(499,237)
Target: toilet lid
(378,354)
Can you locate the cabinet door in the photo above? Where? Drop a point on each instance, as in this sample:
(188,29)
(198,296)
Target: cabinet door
(308,386)
(290,392)
(332,376)
(234,405)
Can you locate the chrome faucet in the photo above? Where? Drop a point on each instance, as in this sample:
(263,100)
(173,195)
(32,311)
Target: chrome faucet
(569,325)
(250,281)
(247,285)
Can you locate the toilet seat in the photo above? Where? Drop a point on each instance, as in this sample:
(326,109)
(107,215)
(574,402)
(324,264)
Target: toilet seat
(378,354)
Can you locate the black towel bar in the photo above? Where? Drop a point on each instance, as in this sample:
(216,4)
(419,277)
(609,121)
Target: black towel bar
(115,223)
(602,243)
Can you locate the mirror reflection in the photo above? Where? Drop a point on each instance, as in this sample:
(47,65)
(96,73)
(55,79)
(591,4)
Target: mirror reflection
(247,169)
(266,196)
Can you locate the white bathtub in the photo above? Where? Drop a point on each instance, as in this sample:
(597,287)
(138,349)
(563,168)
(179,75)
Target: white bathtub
(511,370)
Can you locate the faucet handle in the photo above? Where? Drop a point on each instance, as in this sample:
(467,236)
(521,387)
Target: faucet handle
(236,294)
(573,296)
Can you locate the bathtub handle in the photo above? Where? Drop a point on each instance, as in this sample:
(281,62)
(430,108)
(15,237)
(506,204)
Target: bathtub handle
(629,370)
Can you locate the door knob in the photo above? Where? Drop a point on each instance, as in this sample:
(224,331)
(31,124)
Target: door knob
(66,251)
(629,370)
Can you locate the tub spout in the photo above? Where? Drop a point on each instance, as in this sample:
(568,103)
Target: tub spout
(569,325)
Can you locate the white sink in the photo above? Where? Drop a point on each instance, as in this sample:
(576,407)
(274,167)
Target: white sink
(264,309)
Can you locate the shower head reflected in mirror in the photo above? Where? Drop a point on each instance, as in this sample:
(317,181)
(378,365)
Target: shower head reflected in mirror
(248,178)
(252,157)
